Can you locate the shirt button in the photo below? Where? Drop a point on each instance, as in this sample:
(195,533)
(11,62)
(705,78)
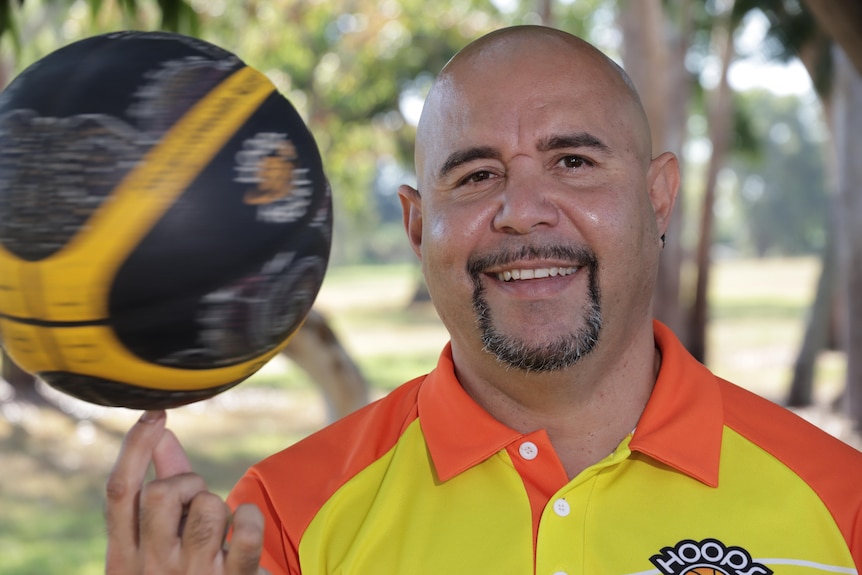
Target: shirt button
(528,450)
(561,507)
(560,573)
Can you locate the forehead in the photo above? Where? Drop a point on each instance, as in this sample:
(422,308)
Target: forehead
(524,90)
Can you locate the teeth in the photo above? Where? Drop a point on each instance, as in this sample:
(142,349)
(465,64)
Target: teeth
(528,274)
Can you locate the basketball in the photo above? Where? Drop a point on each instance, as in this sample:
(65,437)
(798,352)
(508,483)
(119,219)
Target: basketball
(165,221)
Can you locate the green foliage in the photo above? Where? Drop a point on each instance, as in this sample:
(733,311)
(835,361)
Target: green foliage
(8,24)
(746,141)
(793,27)
(781,202)
(177,16)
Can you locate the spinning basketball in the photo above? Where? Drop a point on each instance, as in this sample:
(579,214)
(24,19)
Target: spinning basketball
(165,221)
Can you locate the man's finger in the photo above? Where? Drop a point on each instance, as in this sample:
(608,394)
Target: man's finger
(204,531)
(246,543)
(169,457)
(124,484)
(163,504)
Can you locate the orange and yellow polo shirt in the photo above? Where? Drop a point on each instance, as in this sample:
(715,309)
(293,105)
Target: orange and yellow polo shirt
(714,481)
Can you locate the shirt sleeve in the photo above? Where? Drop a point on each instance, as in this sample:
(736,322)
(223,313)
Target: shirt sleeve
(279,555)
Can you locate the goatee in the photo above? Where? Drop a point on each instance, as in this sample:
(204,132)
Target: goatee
(560,353)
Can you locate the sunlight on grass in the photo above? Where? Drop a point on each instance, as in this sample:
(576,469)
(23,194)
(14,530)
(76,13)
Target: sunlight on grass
(758,310)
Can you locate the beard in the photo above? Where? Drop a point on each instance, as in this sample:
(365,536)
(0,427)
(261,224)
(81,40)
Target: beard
(558,354)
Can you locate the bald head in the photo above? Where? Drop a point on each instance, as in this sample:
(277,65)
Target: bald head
(498,43)
(518,61)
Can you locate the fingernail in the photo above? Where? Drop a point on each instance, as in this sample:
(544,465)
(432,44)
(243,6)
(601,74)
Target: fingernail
(152,416)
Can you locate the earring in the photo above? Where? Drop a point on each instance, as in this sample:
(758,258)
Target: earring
(663,241)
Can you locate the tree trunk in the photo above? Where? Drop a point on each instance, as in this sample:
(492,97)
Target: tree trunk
(656,64)
(669,299)
(847,125)
(545,9)
(820,328)
(720,122)
(316,349)
(817,329)
(23,384)
(842,20)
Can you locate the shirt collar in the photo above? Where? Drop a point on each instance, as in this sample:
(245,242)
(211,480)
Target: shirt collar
(681,425)
(459,432)
(683,421)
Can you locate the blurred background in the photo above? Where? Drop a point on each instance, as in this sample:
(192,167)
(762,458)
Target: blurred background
(762,101)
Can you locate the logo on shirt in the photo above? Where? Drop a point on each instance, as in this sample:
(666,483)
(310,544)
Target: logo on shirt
(707,557)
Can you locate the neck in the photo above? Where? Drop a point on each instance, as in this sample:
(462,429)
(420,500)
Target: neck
(586,410)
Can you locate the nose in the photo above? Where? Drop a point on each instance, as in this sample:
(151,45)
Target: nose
(526,204)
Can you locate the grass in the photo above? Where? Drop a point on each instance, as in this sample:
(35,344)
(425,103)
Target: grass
(758,311)
(53,465)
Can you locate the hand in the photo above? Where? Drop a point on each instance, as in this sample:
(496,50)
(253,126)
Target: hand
(172,524)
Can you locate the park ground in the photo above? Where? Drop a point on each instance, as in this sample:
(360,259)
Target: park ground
(53,463)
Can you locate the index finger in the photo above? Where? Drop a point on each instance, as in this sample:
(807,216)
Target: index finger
(125,482)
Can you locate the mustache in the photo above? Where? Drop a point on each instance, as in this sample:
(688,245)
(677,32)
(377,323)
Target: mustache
(576,255)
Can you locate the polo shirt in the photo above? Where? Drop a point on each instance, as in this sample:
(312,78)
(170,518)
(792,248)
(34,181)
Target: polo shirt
(714,480)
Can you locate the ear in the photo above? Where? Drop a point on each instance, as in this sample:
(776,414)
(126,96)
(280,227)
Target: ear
(411,213)
(663,180)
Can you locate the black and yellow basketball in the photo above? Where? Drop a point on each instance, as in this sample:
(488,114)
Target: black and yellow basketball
(165,222)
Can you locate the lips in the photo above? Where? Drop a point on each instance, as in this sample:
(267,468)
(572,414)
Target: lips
(520,274)
(527,263)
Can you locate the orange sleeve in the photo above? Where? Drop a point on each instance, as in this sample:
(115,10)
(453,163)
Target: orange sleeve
(279,557)
(290,487)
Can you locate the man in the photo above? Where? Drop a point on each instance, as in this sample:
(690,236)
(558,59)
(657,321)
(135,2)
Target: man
(563,431)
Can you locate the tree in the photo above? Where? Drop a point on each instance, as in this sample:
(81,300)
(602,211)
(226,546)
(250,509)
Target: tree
(720,114)
(847,124)
(842,20)
(796,34)
(654,55)
(836,73)
(656,60)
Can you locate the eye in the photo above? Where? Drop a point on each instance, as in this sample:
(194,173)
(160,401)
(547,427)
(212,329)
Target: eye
(477,177)
(575,162)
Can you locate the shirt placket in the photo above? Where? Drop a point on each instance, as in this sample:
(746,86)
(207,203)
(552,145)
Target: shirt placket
(561,536)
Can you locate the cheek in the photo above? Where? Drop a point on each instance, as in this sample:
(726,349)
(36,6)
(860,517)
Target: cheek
(462,218)
(623,215)
(436,236)
(443,256)
(452,233)
(437,231)
(618,228)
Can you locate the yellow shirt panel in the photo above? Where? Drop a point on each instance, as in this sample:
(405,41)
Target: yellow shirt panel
(627,515)
(396,517)
(629,509)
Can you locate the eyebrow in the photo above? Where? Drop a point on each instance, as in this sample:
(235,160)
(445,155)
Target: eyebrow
(574,140)
(462,157)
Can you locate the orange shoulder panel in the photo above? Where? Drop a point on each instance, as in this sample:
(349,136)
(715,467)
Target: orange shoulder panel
(290,487)
(830,467)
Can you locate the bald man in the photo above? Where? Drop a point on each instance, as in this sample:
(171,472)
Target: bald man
(563,430)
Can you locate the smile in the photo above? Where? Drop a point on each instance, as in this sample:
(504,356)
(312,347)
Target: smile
(538,273)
